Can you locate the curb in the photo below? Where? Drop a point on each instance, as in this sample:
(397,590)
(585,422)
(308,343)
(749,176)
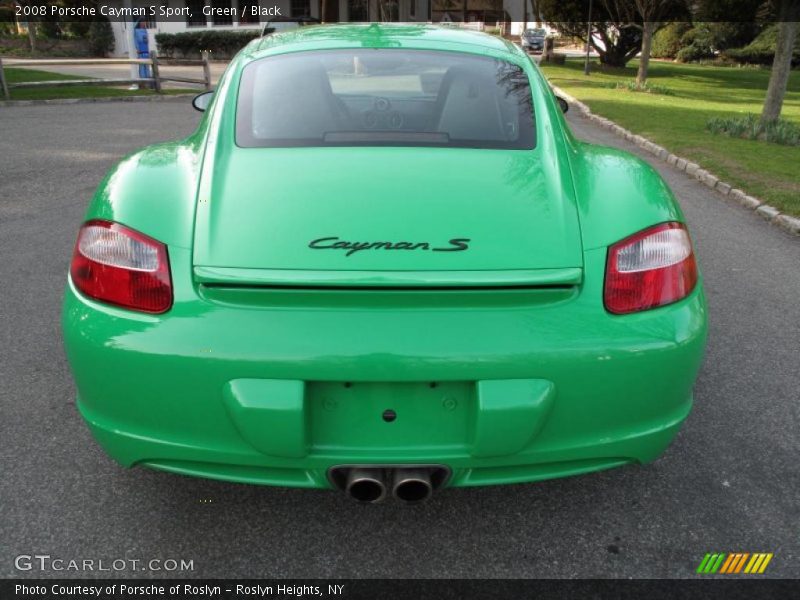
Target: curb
(61,101)
(693,170)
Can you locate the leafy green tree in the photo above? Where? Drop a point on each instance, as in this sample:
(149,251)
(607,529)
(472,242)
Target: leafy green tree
(647,16)
(728,11)
(621,29)
(31,24)
(612,38)
(101,37)
(730,23)
(7,25)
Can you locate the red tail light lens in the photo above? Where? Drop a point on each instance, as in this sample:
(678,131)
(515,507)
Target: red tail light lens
(114,264)
(649,269)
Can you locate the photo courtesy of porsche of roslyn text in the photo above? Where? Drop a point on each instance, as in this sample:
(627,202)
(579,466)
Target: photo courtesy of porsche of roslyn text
(401,298)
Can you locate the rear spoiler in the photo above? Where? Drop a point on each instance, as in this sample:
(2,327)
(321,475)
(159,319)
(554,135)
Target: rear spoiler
(517,278)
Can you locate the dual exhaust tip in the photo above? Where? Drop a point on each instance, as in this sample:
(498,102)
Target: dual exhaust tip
(407,485)
(370,485)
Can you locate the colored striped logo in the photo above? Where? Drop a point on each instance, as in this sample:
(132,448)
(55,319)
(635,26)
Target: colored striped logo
(735,562)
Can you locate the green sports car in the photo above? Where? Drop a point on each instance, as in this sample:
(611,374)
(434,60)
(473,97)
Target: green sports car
(383,264)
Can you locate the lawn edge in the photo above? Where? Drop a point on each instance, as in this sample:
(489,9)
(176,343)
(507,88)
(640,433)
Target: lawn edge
(155,98)
(691,169)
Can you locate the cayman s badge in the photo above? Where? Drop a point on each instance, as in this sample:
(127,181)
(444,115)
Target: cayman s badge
(335,243)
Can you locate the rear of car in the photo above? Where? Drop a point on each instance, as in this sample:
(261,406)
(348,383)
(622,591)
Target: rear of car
(385,267)
(532,40)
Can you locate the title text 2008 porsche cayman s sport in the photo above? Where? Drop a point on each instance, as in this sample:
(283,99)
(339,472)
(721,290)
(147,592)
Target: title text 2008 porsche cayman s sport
(383,264)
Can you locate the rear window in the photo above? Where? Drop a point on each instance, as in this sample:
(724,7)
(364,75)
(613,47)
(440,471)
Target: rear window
(384,98)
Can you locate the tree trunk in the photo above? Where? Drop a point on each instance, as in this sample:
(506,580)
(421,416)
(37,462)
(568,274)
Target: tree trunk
(781,66)
(32,35)
(648,29)
(613,57)
(323,7)
(616,52)
(524,15)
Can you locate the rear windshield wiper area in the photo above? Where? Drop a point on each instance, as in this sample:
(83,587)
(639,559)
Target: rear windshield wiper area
(381,137)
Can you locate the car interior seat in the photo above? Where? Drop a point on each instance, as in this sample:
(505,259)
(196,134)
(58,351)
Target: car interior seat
(468,107)
(296,103)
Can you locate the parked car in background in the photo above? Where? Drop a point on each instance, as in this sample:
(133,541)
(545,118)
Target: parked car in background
(532,40)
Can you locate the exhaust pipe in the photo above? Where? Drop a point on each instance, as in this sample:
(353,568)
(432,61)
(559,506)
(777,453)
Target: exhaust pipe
(371,483)
(365,485)
(412,485)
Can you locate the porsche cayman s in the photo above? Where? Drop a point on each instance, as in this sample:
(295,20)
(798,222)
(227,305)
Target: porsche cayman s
(383,264)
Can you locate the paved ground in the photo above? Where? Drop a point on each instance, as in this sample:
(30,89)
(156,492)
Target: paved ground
(729,483)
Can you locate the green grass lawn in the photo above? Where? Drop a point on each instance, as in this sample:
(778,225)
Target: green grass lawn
(677,121)
(15,75)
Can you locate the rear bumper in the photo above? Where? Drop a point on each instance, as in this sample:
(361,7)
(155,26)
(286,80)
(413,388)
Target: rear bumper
(244,465)
(277,389)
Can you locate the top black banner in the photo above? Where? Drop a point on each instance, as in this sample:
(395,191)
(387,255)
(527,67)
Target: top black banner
(492,13)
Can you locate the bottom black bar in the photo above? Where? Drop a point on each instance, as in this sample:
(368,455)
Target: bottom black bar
(412,589)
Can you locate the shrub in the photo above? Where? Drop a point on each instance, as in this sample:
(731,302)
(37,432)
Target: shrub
(750,127)
(220,43)
(667,40)
(761,51)
(693,53)
(696,44)
(101,37)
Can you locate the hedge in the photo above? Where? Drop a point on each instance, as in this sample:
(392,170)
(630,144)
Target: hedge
(221,44)
(761,51)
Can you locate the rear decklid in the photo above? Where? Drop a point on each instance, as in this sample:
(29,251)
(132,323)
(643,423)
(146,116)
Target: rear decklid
(386,216)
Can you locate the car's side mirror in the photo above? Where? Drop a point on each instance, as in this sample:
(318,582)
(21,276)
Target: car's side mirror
(563,104)
(201,101)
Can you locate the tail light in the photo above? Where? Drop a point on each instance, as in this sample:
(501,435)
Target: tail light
(114,264)
(649,269)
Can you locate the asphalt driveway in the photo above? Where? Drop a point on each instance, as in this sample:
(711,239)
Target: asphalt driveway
(730,482)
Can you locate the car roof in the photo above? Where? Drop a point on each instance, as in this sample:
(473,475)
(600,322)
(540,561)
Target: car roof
(377,35)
